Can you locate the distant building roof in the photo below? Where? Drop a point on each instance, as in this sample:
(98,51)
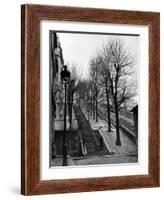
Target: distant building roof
(134,109)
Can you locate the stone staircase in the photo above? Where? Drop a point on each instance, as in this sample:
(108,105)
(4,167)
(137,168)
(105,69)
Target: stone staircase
(91,138)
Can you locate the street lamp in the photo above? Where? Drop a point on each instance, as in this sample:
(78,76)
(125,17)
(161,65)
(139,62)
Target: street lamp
(65,77)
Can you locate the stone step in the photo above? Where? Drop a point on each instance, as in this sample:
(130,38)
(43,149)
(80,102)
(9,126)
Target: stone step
(91,138)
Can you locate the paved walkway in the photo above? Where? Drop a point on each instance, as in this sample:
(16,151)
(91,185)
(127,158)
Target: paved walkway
(106,159)
(127,147)
(95,160)
(125,122)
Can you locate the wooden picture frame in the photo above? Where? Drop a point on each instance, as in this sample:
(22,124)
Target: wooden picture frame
(31,16)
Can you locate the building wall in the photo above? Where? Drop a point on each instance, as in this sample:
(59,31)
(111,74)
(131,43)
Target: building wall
(56,90)
(56,65)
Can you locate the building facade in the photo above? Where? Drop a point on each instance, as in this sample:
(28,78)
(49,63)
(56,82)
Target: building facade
(56,87)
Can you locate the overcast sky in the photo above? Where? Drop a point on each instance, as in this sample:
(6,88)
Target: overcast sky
(79,48)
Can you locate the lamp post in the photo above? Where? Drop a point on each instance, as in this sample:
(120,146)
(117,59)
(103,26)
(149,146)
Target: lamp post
(65,77)
(88,106)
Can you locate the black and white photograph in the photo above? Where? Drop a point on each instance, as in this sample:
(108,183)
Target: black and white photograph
(94,98)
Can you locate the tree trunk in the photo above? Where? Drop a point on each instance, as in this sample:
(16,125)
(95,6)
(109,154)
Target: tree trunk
(79,100)
(96,109)
(93,109)
(118,141)
(108,109)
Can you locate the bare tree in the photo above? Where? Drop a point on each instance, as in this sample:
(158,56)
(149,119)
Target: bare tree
(120,64)
(103,68)
(72,87)
(82,91)
(95,85)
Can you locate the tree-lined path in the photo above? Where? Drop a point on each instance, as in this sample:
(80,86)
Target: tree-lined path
(91,138)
